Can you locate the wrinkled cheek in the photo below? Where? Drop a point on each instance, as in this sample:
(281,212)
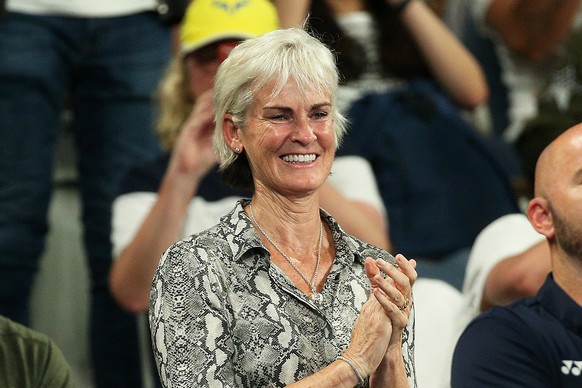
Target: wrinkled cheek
(326,136)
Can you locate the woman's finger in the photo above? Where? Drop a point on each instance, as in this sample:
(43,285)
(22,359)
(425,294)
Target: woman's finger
(396,294)
(371,269)
(397,286)
(408,267)
(403,274)
(398,317)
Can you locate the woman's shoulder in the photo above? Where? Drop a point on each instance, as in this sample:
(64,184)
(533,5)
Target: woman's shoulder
(369,250)
(200,254)
(199,244)
(224,239)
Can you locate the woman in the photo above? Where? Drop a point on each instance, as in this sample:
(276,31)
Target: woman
(277,294)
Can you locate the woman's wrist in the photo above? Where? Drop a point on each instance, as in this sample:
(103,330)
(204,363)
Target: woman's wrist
(355,369)
(394,349)
(393,357)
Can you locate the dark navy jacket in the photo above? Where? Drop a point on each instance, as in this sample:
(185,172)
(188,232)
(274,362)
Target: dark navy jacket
(534,342)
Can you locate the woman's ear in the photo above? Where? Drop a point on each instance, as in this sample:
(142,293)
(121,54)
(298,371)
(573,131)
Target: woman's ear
(230,133)
(540,217)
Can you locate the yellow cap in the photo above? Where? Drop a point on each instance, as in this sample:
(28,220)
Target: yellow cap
(208,21)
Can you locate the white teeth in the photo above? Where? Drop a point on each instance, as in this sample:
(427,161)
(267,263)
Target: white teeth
(299,158)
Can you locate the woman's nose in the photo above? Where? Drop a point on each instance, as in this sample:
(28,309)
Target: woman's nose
(303,132)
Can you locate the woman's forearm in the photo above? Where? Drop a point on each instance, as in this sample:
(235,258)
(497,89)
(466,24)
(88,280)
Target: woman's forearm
(450,62)
(391,372)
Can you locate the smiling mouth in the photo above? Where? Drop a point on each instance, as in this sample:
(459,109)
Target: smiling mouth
(299,158)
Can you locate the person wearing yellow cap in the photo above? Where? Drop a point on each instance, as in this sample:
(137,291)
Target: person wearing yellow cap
(181,192)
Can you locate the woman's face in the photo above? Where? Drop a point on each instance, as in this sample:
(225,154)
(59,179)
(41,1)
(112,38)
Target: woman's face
(289,140)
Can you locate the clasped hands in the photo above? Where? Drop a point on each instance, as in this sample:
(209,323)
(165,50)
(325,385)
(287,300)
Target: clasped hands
(377,333)
(395,289)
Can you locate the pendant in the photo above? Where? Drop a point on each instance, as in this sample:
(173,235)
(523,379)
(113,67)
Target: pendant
(317,298)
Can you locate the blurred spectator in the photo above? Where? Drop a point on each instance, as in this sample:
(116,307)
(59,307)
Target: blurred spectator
(101,59)
(527,34)
(491,117)
(29,359)
(559,105)
(508,260)
(366,34)
(538,46)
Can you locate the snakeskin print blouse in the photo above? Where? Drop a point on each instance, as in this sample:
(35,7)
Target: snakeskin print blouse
(222,316)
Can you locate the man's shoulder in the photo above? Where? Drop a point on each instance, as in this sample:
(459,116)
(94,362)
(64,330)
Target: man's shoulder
(523,316)
(14,330)
(522,344)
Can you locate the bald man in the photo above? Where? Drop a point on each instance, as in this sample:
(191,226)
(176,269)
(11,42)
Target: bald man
(537,341)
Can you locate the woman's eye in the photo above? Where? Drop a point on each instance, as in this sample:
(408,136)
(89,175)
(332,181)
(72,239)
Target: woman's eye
(280,117)
(320,115)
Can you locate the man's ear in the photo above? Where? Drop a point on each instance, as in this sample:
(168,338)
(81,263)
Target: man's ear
(540,217)
(230,133)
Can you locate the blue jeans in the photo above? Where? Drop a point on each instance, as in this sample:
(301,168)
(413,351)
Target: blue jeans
(107,70)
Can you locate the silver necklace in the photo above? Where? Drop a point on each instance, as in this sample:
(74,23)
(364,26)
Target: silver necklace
(316,297)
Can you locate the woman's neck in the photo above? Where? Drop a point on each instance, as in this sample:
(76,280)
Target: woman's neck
(299,242)
(291,223)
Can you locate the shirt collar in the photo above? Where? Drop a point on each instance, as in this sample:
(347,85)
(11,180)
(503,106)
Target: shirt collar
(561,305)
(239,231)
(242,236)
